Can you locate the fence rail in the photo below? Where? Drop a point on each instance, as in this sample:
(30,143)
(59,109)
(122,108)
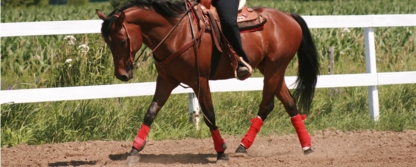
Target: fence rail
(371,79)
(94,26)
(148,88)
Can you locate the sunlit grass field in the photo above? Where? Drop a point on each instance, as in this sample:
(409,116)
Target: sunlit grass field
(52,61)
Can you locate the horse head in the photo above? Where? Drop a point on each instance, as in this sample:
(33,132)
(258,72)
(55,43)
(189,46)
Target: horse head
(124,40)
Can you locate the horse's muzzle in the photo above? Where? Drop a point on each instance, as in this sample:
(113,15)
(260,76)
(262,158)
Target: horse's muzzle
(125,74)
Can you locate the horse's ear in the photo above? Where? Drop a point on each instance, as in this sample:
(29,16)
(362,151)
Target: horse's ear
(100,14)
(121,18)
(119,21)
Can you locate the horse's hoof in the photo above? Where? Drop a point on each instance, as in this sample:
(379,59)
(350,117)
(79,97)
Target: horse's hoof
(241,151)
(221,161)
(222,158)
(133,158)
(308,151)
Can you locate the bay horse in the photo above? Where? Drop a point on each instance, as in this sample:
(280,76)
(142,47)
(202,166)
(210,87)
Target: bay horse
(269,50)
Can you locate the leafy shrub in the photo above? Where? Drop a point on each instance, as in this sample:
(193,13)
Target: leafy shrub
(77,2)
(16,3)
(57,2)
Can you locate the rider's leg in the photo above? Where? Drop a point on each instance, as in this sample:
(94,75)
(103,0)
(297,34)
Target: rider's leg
(227,11)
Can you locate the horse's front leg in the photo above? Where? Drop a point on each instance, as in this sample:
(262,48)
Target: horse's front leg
(273,80)
(162,93)
(205,100)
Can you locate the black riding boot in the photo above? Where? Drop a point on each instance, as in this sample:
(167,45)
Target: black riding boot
(227,11)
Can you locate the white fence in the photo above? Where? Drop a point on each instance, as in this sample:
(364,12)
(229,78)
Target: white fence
(371,79)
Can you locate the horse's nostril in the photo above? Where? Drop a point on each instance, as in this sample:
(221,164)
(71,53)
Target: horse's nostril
(124,77)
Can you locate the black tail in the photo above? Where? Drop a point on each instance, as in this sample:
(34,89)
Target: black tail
(308,68)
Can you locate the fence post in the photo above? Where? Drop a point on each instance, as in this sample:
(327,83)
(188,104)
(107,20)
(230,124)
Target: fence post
(193,110)
(331,62)
(370,59)
(331,51)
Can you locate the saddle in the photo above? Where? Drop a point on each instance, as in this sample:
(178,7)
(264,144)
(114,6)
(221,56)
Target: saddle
(248,20)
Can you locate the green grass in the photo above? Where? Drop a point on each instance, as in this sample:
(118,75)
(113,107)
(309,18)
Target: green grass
(37,62)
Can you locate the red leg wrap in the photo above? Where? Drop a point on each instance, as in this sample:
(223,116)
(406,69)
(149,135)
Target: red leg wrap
(219,143)
(141,137)
(304,138)
(248,139)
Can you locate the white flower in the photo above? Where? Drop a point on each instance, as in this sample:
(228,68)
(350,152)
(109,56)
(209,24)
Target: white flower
(36,57)
(71,39)
(84,48)
(341,53)
(345,30)
(68,61)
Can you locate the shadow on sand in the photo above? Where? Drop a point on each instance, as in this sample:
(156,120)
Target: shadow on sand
(73,163)
(169,158)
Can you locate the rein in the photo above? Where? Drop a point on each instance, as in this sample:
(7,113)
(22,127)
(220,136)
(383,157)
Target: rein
(195,39)
(130,47)
(163,40)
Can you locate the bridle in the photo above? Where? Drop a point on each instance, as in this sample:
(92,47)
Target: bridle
(157,46)
(162,63)
(130,47)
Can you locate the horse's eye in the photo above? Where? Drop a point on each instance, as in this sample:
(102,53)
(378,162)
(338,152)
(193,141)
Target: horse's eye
(123,42)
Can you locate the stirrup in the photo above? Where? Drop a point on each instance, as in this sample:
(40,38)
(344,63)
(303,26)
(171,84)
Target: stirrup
(245,72)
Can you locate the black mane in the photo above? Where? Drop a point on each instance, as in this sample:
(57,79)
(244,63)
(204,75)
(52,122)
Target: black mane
(166,8)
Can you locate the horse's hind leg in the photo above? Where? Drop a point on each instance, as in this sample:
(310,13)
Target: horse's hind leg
(204,96)
(283,94)
(274,85)
(163,91)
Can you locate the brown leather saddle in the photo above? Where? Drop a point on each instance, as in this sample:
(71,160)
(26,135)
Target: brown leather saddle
(248,20)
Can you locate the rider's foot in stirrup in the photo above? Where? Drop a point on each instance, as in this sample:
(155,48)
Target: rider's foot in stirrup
(244,70)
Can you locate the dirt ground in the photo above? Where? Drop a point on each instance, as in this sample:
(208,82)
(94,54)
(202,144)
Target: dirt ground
(331,148)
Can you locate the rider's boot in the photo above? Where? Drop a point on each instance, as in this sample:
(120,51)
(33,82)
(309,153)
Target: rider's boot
(244,70)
